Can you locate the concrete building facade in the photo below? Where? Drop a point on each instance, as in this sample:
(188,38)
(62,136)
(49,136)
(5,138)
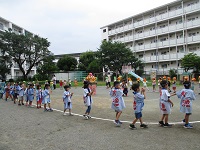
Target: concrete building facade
(161,36)
(15,71)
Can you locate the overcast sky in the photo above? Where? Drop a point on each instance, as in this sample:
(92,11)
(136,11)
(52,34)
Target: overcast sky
(72,25)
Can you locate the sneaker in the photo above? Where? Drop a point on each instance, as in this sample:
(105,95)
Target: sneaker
(70,114)
(64,114)
(183,120)
(161,123)
(167,125)
(86,117)
(143,126)
(188,126)
(22,103)
(51,110)
(89,117)
(45,110)
(132,127)
(119,122)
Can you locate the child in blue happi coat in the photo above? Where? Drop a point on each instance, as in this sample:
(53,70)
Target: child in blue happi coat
(30,94)
(138,104)
(67,95)
(46,98)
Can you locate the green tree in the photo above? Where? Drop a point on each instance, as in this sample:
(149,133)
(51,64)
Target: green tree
(85,60)
(94,67)
(172,73)
(5,66)
(114,55)
(26,50)
(67,63)
(190,61)
(137,65)
(47,66)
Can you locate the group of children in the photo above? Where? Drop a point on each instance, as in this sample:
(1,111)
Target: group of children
(27,93)
(186,96)
(23,93)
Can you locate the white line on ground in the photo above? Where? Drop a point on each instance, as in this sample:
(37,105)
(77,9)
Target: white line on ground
(151,123)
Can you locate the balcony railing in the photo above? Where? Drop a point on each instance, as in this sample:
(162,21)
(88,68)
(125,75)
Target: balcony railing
(161,17)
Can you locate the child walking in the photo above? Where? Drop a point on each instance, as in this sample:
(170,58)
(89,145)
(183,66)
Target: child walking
(138,104)
(30,94)
(87,97)
(186,96)
(21,94)
(46,98)
(174,84)
(145,84)
(67,100)
(165,104)
(154,84)
(38,96)
(61,84)
(118,104)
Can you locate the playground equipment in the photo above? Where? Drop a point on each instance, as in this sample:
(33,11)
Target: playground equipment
(135,75)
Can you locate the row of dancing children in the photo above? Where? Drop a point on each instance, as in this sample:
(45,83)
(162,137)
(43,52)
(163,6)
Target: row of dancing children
(20,92)
(185,95)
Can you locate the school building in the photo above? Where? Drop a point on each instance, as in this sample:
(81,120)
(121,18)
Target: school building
(160,36)
(15,71)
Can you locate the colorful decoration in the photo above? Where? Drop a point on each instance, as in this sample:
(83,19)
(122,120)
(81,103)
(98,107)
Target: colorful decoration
(90,78)
(119,78)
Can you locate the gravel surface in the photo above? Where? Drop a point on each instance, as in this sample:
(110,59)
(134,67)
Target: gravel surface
(23,128)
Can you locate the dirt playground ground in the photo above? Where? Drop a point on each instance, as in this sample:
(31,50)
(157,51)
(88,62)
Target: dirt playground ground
(23,128)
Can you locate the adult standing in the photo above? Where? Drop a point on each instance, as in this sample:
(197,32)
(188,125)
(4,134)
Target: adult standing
(54,82)
(109,80)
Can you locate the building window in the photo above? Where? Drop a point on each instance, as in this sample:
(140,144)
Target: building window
(163,53)
(141,43)
(192,34)
(1,26)
(163,39)
(141,56)
(104,30)
(191,19)
(164,66)
(163,26)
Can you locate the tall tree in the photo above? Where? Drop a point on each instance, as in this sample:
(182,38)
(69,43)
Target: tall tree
(5,66)
(26,50)
(47,66)
(85,59)
(67,63)
(190,61)
(89,62)
(114,55)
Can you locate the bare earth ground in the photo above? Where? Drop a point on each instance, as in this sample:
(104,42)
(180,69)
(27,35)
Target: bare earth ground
(23,128)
